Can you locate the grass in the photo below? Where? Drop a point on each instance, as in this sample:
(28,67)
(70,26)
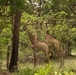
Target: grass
(48,69)
(69,62)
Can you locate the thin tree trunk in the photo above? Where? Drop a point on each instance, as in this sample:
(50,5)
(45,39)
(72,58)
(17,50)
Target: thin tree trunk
(8,55)
(0,58)
(9,52)
(15,42)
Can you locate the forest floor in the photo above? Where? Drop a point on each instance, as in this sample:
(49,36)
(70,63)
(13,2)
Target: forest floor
(5,72)
(69,62)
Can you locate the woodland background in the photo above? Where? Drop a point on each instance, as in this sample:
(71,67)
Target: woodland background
(57,16)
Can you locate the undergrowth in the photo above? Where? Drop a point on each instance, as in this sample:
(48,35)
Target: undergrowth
(45,70)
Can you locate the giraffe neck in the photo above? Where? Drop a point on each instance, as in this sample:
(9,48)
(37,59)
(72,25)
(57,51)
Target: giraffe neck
(31,37)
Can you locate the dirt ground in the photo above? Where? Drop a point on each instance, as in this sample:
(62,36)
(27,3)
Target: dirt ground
(5,72)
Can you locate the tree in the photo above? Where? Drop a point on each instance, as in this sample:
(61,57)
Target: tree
(15,10)
(17,7)
(15,39)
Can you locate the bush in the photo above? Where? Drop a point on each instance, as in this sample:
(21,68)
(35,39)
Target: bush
(49,70)
(46,70)
(26,71)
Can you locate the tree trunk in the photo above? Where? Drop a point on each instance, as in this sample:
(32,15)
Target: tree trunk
(15,42)
(8,55)
(9,52)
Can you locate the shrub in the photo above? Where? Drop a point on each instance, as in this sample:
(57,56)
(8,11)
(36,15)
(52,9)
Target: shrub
(49,70)
(26,71)
(45,70)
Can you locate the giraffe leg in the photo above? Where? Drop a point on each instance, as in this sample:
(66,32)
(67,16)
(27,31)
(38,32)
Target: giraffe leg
(46,57)
(35,57)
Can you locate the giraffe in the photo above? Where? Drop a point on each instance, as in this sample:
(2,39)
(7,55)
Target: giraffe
(51,41)
(37,44)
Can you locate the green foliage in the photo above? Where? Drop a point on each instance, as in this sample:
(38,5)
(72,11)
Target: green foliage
(11,6)
(47,7)
(73,32)
(5,36)
(47,70)
(62,32)
(23,39)
(26,71)
(16,5)
(3,2)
